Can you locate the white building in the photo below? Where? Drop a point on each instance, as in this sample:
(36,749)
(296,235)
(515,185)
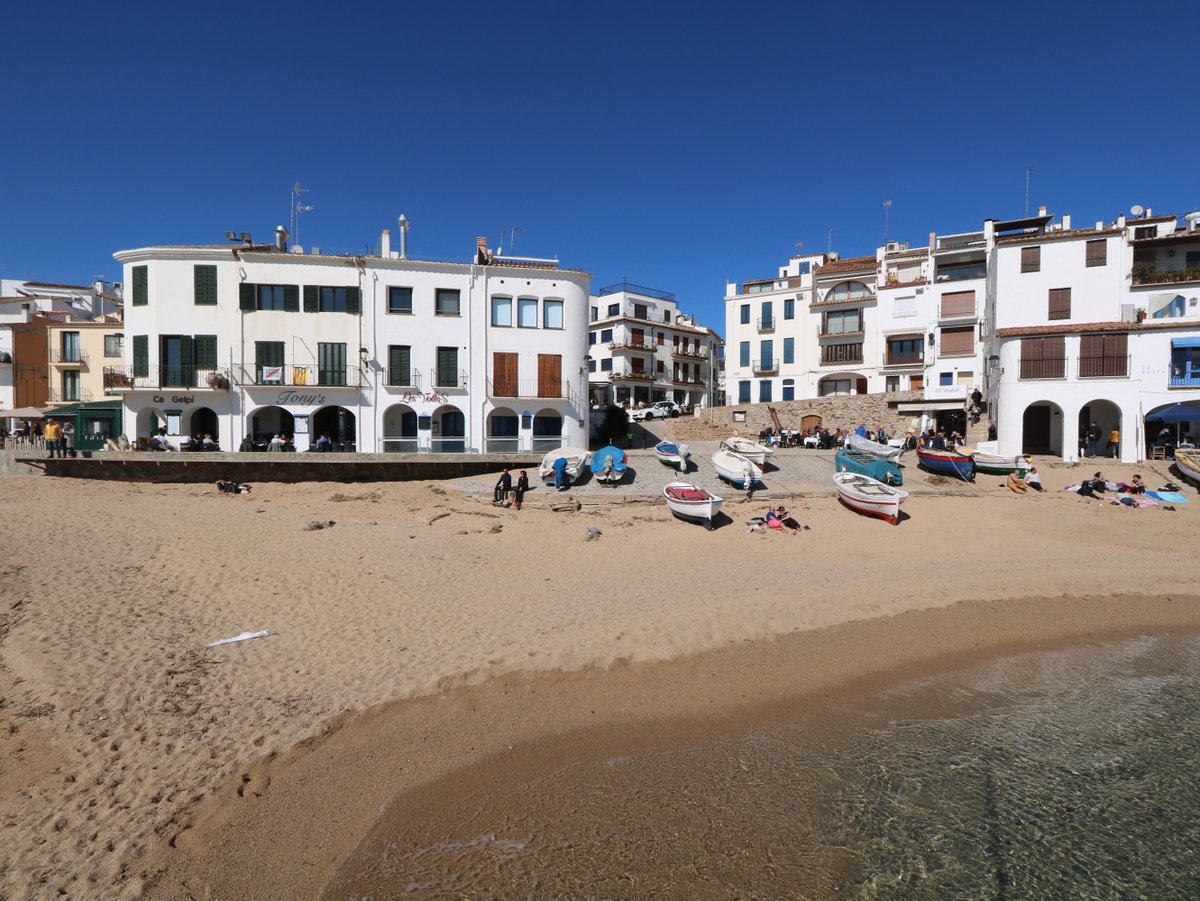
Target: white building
(379,352)
(1097,324)
(643,349)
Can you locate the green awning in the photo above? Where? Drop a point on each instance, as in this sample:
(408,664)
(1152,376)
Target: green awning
(68,410)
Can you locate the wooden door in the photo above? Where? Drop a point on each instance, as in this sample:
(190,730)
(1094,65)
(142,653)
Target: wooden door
(504,374)
(549,375)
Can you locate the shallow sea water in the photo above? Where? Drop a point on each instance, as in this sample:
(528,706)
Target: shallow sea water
(1064,774)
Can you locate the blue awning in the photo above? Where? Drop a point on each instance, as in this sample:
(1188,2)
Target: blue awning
(1185,342)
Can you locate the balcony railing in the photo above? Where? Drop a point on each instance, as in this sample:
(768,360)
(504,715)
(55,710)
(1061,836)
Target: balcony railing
(961,273)
(823,332)
(766,325)
(298,375)
(546,444)
(642,346)
(398,378)
(1185,376)
(60,397)
(450,445)
(528,388)
(692,354)
(636,376)
(501,445)
(1112,367)
(191,378)
(631,288)
(68,358)
(1145,274)
(904,360)
(700,382)
(401,445)
(448,379)
(765,366)
(1043,369)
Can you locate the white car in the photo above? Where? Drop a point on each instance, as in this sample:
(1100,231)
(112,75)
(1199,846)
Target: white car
(660,410)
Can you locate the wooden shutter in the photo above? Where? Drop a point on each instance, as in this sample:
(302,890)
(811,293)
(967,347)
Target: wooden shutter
(638,336)
(291,298)
(399,365)
(1031,259)
(1060,303)
(958,303)
(504,374)
(204,280)
(312,301)
(549,375)
(204,349)
(958,341)
(141,356)
(1103,356)
(354,300)
(141,286)
(246,296)
(861,385)
(1097,252)
(916,382)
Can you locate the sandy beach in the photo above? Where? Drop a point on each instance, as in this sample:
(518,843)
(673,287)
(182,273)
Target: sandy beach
(407,645)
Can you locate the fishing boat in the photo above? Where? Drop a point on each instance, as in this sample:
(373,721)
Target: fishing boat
(1188,464)
(576,459)
(673,454)
(883,451)
(691,502)
(609,465)
(737,470)
(850,460)
(998,464)
(869,496)
(947,463)
(751,450)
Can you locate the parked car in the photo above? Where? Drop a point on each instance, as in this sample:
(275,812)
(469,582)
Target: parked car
(660,410)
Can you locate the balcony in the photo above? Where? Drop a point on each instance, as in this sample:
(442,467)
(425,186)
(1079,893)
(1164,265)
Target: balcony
(825,333)
(630,288)
(302,375)
(398,378)
(69,358)
(1185,375)
(528,388)
(904,360)
(58,397)
(1043,369)
(1146,274)
(1113,367)
(189,378)
(961,273)
(841,355)
(766,325)
(633,376)
(701,354)
(631,346)
(765,367)
(448,379)
(690,382)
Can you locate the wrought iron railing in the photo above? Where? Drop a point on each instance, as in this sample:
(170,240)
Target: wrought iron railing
(448,379)
(65,357)
(1043,369)
(528,388)
(298,375)
(765,365)
(127,378)
(766,325)
(961,273)
(399,378)
(1107,367)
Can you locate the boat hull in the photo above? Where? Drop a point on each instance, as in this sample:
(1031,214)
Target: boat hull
(947,463)
(576,461)
(752,451)
(868,465)
(732,468)
(692,503)
(875,449)
(1188,464)
(673,455)
(996,465)
(609,465)
(869,496)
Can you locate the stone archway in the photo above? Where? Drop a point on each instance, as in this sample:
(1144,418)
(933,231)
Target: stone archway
(1107,417)
(547,431)
(339,424)
(503,432)
(205,422)
(1042,429)
(449,430)
(400,430)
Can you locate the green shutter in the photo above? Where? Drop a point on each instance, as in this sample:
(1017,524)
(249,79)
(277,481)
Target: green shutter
(399,365)
(291,298)
(311,298)
(205,279)
(246,296)
(141,286)
(204,349)
(447,367)
(353,300)
(141,356)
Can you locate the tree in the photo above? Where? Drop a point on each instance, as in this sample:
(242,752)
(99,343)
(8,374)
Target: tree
(616,424)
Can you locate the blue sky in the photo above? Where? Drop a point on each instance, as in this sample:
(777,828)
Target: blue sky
(679,145)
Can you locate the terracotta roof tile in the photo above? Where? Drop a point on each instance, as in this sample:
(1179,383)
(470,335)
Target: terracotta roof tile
(57,285)
(850,264)
(1074,233)
(1076,328)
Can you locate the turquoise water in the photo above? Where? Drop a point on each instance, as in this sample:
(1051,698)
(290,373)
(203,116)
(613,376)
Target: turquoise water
(1066,774)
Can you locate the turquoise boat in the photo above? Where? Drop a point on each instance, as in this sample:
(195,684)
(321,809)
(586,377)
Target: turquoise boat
(850,460)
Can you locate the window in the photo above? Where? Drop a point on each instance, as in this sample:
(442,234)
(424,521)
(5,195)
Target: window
(1043,358)
(743,392)
(399,300)
(141,356)
(958,342)
(527,312)
(331,364)
(204,280)
(114,345)
(1060,303)
(595,314)
(175,364)
(916,382)
(661,366)
(831,387)
(744,353)
(789,350)
(1103,356)
(662,339)
(905,307)
(614,309)
(70,347)
(591,365)
(70,384)
(891,383)
(270,297)
(766,354)
(764,391)
(336,300)
(789,389)
(905,350)
(843,322)
(639,311)
(789,308)
(284,298)
(849,291)
(268,362)
(842,353)
(502,312)
(606,336)
(1097,253)
(606,365)
(399,364)
(141,286)
(745,312)
(945,379)
(591,338)
(447,367)
(446,302)
(768,314)
(552,314)
(958,303)
(666,315)
(1031,259)
(204,352)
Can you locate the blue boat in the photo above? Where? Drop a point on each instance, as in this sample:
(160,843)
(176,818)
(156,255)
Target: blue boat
(609,464)
(850,460)
(947,463)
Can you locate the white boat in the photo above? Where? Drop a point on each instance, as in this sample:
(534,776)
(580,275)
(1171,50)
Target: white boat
(866,495)
(1187,461)
(751,450)
(997,464)
(691,502)
(576,461)
(673,454)
(883,451)
(739,471)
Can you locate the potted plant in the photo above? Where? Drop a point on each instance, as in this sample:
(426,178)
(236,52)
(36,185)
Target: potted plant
(1140,314)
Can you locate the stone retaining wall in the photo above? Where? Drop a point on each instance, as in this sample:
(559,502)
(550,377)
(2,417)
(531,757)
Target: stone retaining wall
(843,411)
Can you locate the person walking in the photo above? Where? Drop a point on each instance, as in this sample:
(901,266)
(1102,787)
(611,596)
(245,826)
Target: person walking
(52,434)
(68,440)
(1114,442)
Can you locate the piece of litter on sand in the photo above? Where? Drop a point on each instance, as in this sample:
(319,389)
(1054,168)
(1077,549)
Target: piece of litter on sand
(245,636)
(592,534)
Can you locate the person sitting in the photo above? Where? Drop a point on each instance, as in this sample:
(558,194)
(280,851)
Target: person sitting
(159,441)
(1033,480)
(1016,484)
(276,444)
(939,441)
(322,444)
(774,522)
(1136,485)
(786,518)
(1099,483)
(207,443)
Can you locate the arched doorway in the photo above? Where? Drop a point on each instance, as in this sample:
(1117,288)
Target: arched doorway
(399,430)
(1107,417)
(339,424)
(149,421)
(547,431)
(503,432)
(204,422)
(265,423)
(1042,429)
(1169,426)
(449,431)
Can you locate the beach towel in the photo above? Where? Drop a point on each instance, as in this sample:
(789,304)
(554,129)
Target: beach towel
(1170,497)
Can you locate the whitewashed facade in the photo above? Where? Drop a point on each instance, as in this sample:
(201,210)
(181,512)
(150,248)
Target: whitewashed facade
(379,353)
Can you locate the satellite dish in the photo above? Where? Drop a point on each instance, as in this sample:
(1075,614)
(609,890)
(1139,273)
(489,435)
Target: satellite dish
(295,248)
(1137,209)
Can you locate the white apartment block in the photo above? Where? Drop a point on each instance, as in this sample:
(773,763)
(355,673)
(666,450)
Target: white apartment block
(380,352)
(643,349)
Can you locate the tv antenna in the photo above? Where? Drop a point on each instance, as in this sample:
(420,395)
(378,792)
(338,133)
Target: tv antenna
(1029,170)
(887,208)
(296,209)
(829,246)
(512,239)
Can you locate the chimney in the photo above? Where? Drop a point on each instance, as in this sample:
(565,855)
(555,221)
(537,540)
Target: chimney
(1121,221)
(933,240)
(385,244)
(281,238)
(1099,226)
(402,223)
(1041,211)
(1066,222)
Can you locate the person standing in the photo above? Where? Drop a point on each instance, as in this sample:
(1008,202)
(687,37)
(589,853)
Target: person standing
(522,487)
(503,486)
(1114,442)
(1093,439)
(68,440)
(52,433)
